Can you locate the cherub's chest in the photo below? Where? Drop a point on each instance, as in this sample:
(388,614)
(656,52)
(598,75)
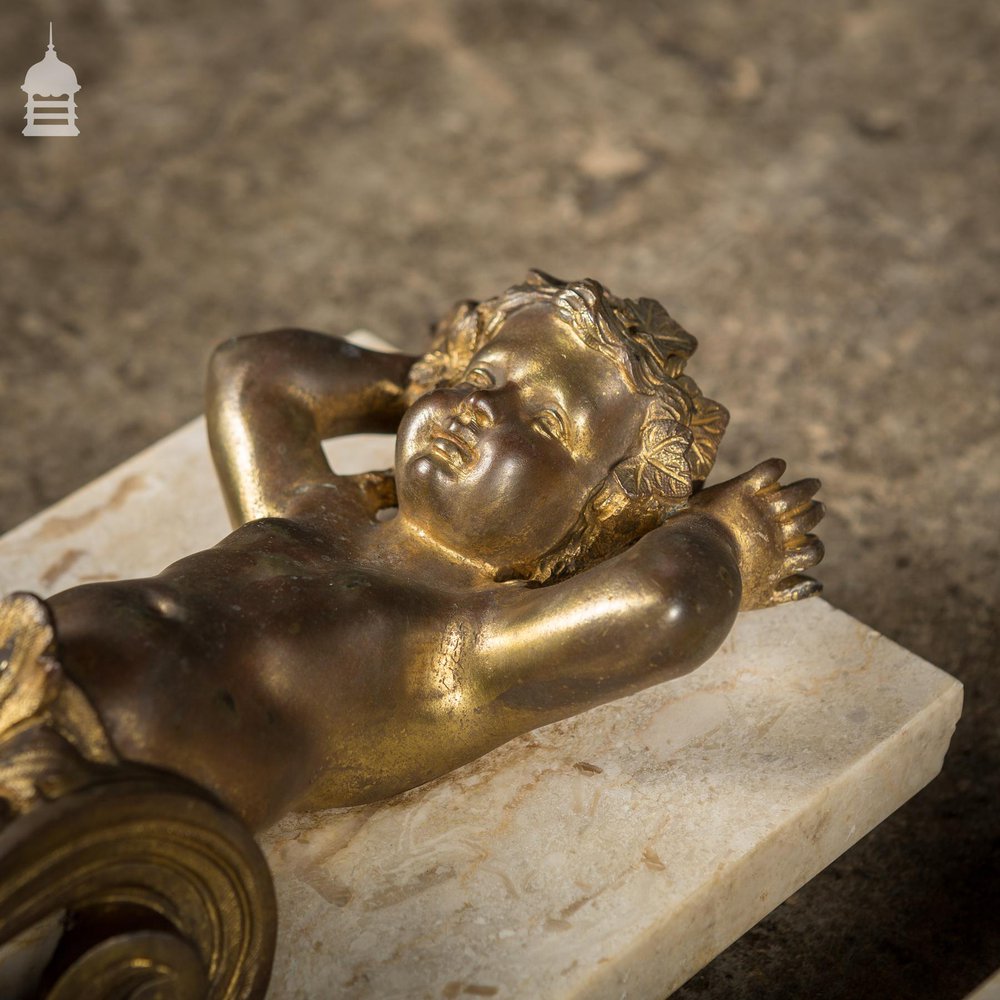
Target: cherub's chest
(339,627)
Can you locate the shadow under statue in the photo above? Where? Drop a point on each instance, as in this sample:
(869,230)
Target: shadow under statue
(544,545)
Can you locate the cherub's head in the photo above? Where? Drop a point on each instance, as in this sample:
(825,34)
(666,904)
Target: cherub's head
(552,426)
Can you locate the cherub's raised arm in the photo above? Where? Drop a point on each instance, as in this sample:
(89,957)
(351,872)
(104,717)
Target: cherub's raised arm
(274,397)
(652,613)
(659,609)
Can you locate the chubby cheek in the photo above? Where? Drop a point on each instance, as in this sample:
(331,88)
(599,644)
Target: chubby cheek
(525,497)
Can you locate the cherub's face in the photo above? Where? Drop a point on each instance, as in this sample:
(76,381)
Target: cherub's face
(498,467)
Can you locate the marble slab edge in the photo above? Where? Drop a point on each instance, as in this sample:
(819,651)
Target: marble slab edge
(828,825)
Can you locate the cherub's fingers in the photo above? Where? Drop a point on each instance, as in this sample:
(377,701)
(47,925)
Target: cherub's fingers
(765,474)
(793,496)
(801,556)
(796,588)
(801,520)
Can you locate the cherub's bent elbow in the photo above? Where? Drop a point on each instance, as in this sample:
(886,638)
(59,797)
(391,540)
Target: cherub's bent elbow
(253,370)
(698,598)
(232,358)
(228,365)
(691,628)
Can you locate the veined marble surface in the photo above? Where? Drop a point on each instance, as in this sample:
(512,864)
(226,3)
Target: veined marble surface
(611,855)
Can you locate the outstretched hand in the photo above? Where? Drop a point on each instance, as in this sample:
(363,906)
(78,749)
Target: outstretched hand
(770,525)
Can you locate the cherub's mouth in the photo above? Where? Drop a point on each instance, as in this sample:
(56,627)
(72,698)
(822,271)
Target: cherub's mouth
(454,447)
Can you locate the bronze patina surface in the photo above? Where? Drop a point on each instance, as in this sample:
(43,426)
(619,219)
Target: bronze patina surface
(543,546)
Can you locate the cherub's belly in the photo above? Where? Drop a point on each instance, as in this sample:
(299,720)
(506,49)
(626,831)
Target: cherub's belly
(273,683)
(233,681)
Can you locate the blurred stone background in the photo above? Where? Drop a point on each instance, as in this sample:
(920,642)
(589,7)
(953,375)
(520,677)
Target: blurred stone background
(812,189)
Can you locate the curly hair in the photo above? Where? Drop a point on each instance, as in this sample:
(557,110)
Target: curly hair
(680,433)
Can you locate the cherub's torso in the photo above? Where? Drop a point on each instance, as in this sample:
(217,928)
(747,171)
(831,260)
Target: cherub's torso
(283,638)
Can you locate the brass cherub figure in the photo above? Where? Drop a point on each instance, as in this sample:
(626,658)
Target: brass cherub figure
(551,549)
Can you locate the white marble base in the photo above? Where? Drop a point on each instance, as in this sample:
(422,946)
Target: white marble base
(990,990)
(608,856)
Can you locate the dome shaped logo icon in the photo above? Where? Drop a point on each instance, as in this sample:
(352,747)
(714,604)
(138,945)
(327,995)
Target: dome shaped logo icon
(51,87)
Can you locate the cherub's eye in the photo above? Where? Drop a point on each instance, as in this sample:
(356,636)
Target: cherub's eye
(551,423)
(480,378)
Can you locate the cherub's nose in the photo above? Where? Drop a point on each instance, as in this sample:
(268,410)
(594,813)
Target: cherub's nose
(486,406)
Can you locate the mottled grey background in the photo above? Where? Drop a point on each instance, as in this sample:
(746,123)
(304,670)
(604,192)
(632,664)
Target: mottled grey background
(812,189)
